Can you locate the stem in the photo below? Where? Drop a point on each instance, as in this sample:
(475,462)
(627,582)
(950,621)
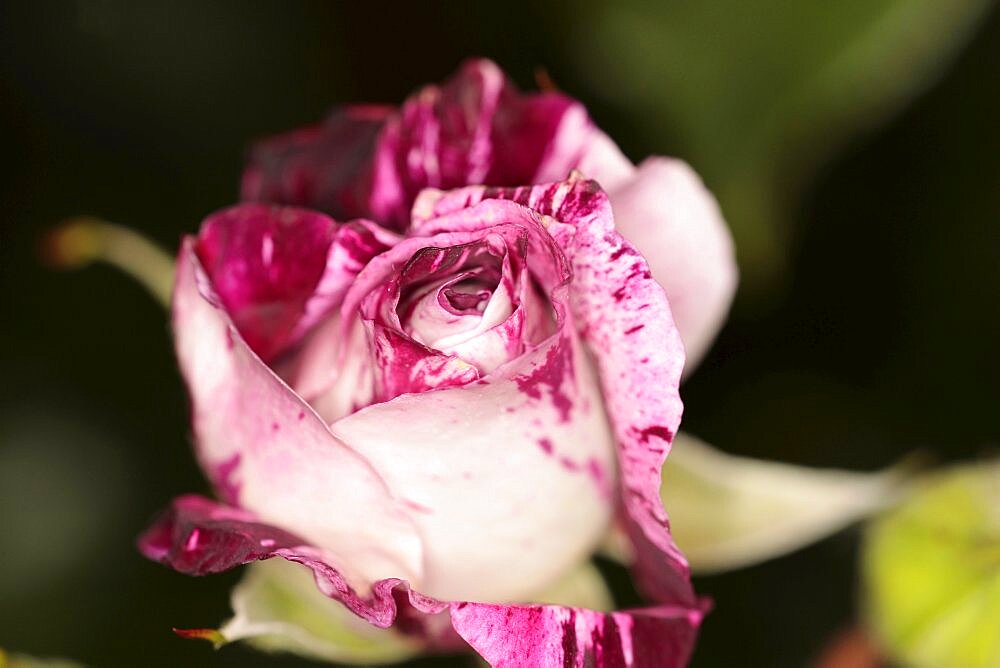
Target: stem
(78,242)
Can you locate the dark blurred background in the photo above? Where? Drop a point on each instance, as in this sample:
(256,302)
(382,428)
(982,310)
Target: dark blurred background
(854,147)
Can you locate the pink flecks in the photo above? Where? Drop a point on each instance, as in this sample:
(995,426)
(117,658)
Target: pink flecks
(551,375)
(226,486)
(418,507)
(275,426)
(538,636)
(658,431)
(633,330)
(546,445)
(569,464)
(302,415)
(600,477)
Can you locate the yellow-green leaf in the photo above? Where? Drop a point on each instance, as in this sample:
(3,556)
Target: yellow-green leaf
(932,572)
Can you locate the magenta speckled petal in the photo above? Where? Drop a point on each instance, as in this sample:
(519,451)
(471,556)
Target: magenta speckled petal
(541,636)
(325,166)
(667,213)
(475,128)
(266,449)
(623,316)
(199,537)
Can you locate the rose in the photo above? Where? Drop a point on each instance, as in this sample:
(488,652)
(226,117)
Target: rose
(438,425)
(477,128)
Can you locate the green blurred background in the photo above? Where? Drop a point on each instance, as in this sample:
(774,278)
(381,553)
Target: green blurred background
(854,147)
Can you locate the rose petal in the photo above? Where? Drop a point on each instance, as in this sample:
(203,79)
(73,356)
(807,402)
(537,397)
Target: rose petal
(666,212)
(543,636)
(325,166)
(475,128)
(197,537)
(602,161)
(508,479)
(278,270)
(623,315)
(264,448)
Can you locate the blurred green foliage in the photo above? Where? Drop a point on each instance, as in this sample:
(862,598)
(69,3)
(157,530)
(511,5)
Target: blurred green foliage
(932,572)
(756,94)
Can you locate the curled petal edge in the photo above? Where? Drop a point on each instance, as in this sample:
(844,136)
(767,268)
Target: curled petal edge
(197,536)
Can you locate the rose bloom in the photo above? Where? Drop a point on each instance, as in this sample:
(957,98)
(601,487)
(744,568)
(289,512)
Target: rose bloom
(371,162)
(443,415)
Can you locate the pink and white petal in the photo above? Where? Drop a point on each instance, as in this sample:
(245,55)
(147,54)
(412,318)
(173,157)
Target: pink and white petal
(265,449)
(354,245)
(540,636)
(509,479)
(332,370)
(623,316)
(198,537)
(675,222)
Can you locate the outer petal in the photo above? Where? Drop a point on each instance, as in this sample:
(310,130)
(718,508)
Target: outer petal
(509,479)
(666,212)
(198,537)
(623,315)
(544,636)
(323,167)
(267,450)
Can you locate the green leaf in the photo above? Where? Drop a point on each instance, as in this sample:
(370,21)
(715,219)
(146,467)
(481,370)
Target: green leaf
(278,607)
(583,587)
(755,94)
(728,512)
(26,661)
(932,572)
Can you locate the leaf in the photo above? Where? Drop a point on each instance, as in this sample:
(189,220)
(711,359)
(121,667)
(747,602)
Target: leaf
(932,572)
(756,94)
(728,512)
(278,607)
(583,587)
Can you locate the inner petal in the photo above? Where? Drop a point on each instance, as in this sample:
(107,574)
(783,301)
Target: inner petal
(464,298)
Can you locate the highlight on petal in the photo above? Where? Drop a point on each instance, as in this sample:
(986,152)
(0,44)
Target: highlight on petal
(729,512)
(674,221)
(277,607)
(931,571)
